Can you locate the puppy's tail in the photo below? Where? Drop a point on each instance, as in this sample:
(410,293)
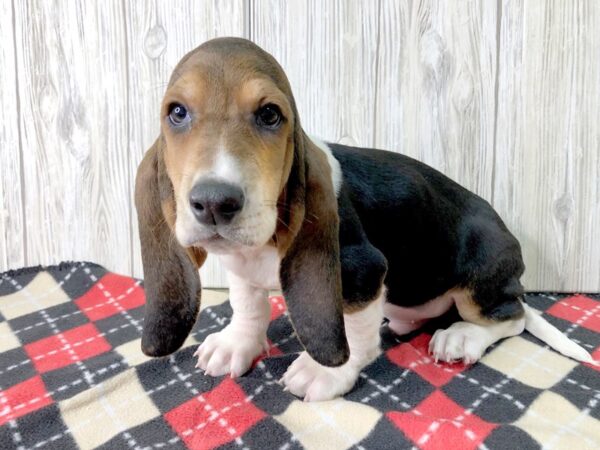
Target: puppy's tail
(544,331)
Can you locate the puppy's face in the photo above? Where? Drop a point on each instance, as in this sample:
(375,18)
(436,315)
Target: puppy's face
(228,130)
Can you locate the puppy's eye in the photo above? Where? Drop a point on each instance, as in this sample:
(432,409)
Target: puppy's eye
(178,115)
(268,116)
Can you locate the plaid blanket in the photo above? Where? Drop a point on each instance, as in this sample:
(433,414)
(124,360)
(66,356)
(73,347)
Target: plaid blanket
(72,376)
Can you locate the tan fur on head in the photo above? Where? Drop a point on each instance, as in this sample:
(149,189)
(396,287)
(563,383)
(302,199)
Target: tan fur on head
(222,90)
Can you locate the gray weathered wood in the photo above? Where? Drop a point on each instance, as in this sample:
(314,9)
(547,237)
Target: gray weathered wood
(504,97)
(71,66)
(328,51)
(547,165)
(436,86)
(12,237)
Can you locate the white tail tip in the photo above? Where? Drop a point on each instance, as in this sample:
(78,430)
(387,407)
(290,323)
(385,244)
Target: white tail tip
(544,331)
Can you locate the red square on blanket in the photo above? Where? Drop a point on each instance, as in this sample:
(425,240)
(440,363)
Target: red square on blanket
(22,399)
(578,309)
(111,294)
(214,418)
(439,423)
(414,355)
(278,307)
(66,348)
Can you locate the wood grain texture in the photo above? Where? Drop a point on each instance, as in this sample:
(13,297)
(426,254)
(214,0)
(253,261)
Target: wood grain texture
(547,167)
(436,86)
(71,67)
(12,237)
(159,34)
(502,96)
(328,51)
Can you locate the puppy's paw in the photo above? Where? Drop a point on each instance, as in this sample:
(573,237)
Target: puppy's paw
(462,341)
(307,378)
(229,351)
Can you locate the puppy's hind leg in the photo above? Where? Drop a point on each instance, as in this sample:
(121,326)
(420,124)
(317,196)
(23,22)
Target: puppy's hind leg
(467,340)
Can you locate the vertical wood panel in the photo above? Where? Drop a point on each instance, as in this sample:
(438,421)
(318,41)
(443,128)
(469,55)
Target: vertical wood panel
(71,66)
(436,86)
(548,139)
(159,34)
(82,82)
(12,238)
(328,50)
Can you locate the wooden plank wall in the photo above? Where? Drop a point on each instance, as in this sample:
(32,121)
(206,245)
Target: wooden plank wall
(502,96)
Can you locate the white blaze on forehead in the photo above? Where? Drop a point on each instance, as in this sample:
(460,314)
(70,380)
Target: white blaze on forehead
(225,167)
(336,170)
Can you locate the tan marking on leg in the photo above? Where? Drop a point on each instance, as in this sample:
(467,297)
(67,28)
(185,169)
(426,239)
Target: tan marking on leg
(361,306)
(468,308)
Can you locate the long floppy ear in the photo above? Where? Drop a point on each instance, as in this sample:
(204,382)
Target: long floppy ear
(171,279)
(310,270)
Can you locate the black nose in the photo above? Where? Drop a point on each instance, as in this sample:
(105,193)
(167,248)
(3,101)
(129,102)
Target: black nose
(216,203)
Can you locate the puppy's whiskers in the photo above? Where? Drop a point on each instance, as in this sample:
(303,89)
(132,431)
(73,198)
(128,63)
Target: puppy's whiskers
(284,224)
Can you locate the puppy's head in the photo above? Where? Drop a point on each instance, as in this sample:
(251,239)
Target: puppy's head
(233,169)
(228,119)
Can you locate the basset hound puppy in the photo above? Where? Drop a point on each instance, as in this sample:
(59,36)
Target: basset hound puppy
(350,235)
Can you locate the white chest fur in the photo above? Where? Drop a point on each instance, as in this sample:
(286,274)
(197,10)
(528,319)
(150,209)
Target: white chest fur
(259,267)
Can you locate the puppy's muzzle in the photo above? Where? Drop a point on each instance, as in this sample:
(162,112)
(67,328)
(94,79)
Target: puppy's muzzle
(216,203)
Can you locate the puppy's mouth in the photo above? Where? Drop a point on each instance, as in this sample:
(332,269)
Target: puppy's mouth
(216,237)
(210,237)
(220,241)
(250,231)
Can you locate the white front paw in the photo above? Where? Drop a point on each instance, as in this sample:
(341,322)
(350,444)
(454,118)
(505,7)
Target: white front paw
(229,351)
(307,378)
(463,341)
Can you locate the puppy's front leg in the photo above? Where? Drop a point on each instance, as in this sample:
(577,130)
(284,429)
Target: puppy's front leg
(233,349)
(307,378)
